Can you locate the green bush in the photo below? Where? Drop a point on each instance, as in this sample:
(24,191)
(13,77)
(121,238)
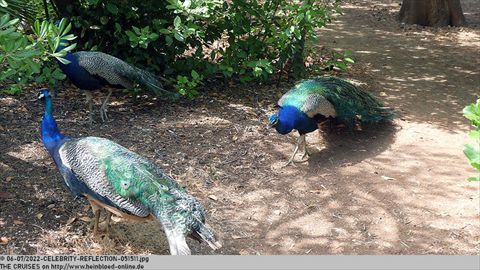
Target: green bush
(472,151)
(239,39)
(23,9)
(27,58)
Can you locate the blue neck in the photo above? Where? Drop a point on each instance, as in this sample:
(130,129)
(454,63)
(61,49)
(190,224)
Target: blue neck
(290,117)
(51,136)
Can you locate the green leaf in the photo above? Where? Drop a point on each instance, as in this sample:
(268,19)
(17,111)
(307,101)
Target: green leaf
(63,60)
(118,27)
(472,151)
(257,71)
(112,8)
(104,20)
(168,40)
(164,31)
(153,36)
(195,75)
(341,65)
(136,30)
(474,178)
(474,134)
(349,60)
(132,36)
(472,113)
(177,22)
(178,36)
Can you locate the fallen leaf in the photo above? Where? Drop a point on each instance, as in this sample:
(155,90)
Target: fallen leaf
(71,220)
(39,215)
(50,206)
(3,240)
(8,179)
(17,222)
(212,197)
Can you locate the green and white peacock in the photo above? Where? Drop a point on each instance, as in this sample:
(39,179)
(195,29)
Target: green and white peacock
(313,102)
(125,183)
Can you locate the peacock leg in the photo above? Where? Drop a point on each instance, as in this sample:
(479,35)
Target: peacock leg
(89,96)
(306,153)
(103,109)
(96,211)
(109,217)
(299,140)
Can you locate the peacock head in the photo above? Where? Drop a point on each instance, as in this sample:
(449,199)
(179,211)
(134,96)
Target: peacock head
(273,120)
(282,127)
(43,93)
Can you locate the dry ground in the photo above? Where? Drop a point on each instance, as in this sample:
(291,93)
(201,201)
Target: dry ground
(391,189)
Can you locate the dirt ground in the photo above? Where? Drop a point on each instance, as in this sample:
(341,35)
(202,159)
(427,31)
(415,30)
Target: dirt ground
(390,189)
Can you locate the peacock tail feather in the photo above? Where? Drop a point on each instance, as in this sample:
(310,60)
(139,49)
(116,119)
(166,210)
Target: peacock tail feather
(117,72)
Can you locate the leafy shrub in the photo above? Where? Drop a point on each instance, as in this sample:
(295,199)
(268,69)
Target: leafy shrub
(26,58)
(23,9)
(239,39)
(340,61)
(472,151)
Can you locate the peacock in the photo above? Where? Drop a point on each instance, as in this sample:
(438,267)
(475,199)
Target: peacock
(313,102)
(124,183)
(95,70)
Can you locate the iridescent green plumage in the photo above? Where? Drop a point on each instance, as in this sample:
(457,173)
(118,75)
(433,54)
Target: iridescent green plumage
(313,102)
(347,100)
(134,184)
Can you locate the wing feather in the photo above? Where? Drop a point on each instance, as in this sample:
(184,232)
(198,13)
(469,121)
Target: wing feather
(105,66)
(309,101)
(85,157)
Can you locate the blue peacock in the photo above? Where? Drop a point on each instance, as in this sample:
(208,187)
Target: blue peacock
(124,183)
(95,70)
(313,102)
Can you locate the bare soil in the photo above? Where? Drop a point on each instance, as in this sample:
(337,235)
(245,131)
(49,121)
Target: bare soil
(388,189)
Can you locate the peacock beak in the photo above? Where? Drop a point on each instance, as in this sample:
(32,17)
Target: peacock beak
(272,124)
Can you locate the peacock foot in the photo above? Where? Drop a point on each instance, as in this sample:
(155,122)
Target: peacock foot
(301,142)
(103,115)
(306,154)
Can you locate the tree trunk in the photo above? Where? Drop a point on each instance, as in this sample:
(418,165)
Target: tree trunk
(432,12)
(298,59)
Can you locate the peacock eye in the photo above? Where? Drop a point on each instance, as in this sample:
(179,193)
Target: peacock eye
(125,184)
(273,122)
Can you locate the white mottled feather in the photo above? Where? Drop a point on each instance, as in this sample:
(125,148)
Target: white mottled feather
(77,155)
(318,104)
